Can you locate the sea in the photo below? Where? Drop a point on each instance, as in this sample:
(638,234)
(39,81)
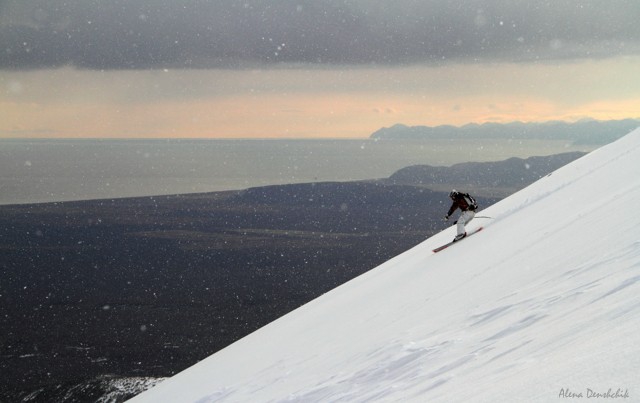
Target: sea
(53,170)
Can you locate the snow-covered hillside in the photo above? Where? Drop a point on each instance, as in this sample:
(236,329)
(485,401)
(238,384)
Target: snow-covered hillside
(543,305)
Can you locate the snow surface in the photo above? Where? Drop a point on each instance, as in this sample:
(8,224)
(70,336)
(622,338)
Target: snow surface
(543,305)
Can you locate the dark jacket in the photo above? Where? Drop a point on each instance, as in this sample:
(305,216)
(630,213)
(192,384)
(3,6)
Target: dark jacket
(459,202)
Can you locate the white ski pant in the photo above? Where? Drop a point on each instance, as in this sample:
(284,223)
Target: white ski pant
(464,219)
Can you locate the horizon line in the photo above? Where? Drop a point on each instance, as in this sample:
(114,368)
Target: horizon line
(369,137)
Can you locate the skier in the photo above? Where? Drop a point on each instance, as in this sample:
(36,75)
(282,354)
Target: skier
(467,205)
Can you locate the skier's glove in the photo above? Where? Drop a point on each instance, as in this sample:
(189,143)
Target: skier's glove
(446,218)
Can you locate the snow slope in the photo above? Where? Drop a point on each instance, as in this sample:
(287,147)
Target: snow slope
(544,304)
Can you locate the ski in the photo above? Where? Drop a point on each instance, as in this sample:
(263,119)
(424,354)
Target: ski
(445,246)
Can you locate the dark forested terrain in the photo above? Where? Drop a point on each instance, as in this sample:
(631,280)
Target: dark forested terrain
(149,286)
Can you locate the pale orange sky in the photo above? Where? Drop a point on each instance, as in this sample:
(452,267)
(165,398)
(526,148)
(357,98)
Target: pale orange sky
(301,102)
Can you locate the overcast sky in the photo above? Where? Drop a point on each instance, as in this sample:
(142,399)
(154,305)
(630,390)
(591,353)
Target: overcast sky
(198,68)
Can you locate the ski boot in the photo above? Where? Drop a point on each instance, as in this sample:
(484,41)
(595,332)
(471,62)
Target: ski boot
(459,237)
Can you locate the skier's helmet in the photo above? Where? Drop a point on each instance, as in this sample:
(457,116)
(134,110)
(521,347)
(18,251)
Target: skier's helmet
(453,194)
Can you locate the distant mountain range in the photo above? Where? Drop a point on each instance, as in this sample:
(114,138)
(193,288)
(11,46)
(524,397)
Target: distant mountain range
(582,132)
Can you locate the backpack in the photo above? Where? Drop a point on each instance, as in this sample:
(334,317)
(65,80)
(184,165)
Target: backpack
(473,204)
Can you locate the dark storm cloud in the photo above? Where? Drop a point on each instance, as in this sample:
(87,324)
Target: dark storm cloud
(140,34)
